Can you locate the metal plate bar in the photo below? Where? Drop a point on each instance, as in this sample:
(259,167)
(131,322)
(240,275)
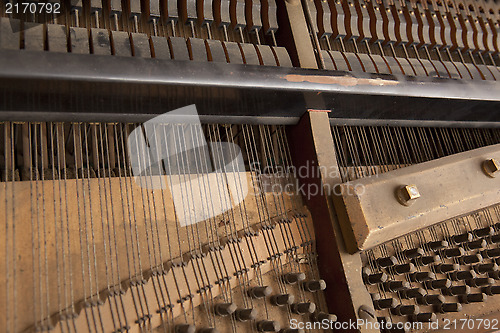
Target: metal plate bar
(444,188)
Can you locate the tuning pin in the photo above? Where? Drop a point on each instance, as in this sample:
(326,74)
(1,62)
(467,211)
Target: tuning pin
(493,253)
(463,275)
(396,285)
(405,310)
(260,292)
(480,282)
(405,268)
(426,260)
(413,293)
(484,268)
(282,299)
(424,317)
(455,252)
(387,261)
(413,253)
(471,259)
(208,330)
(185,328)
(446,268)
(473,298)
(385,303)
(495,239)
(376,278)
(422,276)
(488,231)
(492,290)
(431,299)
(449,307)
(457,290)
(477,244)
(321,316)
(366,270)
(314,285)
(268,326)
(437,245)
(292,278)
(225,309)
(246,314)
(467,237)
(303,308)
(494,275)
(438,284)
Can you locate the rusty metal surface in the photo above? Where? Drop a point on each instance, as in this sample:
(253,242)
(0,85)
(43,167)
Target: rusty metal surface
(448,187)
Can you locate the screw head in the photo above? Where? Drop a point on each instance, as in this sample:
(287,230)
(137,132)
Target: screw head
(407,194)
(491,167)
(366,312)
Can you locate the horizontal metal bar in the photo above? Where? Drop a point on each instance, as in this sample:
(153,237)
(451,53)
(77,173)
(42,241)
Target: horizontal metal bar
(28,65)
(412,123)
(110,88)
(379,208)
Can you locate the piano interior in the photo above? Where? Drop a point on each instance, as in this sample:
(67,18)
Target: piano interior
(249,166)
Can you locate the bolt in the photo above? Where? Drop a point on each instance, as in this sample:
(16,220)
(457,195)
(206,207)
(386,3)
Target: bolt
(366,312)
(491,167)
(407,195)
